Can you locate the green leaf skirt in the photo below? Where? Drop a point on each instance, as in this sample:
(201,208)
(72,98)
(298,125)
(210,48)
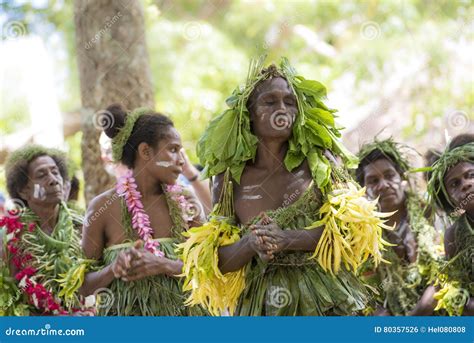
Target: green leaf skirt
(158,295)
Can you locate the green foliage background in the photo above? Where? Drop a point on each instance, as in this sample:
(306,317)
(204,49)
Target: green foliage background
(199,51)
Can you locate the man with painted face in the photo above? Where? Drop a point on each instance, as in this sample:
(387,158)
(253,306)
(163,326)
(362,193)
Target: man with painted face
(451,188)
(269,156)
(42,244)
(405,283)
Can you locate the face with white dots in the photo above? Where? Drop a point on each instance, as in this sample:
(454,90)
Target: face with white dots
(274,111)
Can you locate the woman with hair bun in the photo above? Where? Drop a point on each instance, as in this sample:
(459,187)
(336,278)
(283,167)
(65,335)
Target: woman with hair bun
(132,229)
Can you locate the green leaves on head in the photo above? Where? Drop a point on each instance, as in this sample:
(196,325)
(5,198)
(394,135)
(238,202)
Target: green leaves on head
(229,143)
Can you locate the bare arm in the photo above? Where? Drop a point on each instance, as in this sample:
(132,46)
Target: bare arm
(303,240)
(450,249)
(469,308)
(427,303)
(217,184)
(449,244)
(93,244)
(294,240)
(235,256)
(382,312)
(201,187)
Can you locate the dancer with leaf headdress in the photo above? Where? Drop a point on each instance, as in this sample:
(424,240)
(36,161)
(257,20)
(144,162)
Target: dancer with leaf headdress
(289,228)
(406,283)
(43,266)
(132,229)
(451,188)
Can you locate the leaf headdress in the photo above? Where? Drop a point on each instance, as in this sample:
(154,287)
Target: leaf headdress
(228,143)
(438,194)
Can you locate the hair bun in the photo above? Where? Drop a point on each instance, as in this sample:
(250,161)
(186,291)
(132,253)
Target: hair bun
(116,120)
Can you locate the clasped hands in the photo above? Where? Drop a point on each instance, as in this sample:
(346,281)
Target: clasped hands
(137,263)
(267,238)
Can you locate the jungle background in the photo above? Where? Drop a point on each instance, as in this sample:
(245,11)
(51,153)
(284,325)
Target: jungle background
(397,67)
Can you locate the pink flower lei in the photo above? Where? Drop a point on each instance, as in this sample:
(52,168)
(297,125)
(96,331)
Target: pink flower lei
(127,189)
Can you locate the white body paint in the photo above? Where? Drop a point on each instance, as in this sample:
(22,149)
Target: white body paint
(252,197)
(249,188)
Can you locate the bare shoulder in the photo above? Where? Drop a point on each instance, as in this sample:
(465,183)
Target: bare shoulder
(94,234)
(103,205)
(103,198)
(108,199)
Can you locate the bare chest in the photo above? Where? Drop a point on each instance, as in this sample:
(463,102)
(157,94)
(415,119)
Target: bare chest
(261,191)
(158,214)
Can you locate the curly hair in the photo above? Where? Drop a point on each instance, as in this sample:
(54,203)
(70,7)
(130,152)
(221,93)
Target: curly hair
(17,164)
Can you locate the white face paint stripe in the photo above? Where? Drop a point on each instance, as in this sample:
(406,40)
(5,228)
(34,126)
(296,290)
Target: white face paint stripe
(36,191)
(164,164)
(39,192)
